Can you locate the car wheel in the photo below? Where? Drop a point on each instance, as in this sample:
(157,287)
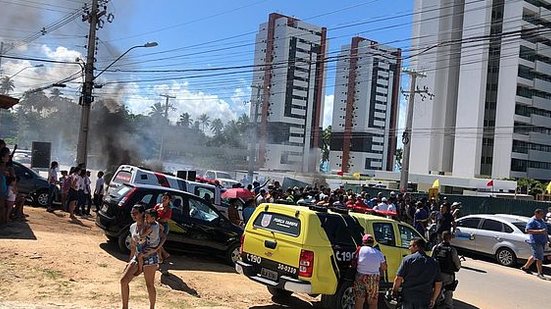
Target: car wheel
(232,255)
(124,241)
(506,257)
(41,198)
(345,296)
(279,293)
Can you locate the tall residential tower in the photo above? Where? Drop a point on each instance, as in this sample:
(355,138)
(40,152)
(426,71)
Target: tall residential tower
(365,108)
(489,65)
(289,71)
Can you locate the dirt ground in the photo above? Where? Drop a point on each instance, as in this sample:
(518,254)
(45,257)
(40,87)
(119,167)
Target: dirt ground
(49,262)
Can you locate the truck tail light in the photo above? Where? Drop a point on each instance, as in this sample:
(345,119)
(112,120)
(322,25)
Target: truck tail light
(125,198)
(306,263)
(242,240)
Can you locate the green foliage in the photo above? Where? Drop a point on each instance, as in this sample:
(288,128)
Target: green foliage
(530,186)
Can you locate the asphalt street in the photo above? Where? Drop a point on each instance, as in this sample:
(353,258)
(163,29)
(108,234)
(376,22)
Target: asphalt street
(486,284)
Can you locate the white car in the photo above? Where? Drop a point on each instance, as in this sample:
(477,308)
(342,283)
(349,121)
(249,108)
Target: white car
(224,178)
(500,236)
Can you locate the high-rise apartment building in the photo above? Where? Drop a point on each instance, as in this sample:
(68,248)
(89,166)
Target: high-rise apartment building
(365,108)
(289,71)
(488,64)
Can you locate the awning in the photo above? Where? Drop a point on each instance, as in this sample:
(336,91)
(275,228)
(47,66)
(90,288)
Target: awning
(7,101)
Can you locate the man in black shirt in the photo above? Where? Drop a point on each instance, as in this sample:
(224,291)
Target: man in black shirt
(419,277)
(444,221)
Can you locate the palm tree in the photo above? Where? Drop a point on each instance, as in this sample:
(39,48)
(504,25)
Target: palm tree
(204,120)
(6,85)
(185,120)
(217,126)
(157,111)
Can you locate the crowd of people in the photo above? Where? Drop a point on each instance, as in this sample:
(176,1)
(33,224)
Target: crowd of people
(421,213)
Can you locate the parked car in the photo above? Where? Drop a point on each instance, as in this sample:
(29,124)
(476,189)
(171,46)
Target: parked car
(500,236)
(223,178)
(33,185)
(196,225)
(138,175)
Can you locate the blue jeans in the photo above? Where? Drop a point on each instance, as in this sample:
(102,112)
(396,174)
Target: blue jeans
(51,195)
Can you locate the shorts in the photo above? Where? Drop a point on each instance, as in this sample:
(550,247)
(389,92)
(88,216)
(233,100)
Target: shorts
(537,251)
(153,259)
(73,195)
(366,286)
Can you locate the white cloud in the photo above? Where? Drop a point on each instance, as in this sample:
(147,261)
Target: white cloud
(241,102)
(327,110)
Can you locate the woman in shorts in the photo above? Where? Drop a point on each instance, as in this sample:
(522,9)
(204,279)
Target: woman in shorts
(150,263)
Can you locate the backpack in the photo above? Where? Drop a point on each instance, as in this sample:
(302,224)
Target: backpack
(442,253)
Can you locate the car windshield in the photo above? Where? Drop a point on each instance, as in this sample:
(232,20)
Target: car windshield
(522,226)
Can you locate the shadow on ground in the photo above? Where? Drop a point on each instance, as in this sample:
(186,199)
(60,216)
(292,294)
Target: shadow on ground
(177,261)
(16,230)
(176,283)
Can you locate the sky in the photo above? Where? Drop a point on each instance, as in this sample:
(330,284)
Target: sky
(197,42)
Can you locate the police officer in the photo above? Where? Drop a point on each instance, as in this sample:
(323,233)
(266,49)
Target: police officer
(449,262)
(419,277)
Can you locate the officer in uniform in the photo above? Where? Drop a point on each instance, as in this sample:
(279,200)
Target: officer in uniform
(449,262)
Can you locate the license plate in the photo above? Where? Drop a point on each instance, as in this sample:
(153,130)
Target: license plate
(268,274)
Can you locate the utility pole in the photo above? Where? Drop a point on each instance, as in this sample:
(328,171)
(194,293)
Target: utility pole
(406,136)
(1,54)
(86,97)
(252,145)
(168,97)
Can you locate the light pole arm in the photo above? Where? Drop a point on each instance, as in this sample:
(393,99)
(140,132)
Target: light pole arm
(114,61)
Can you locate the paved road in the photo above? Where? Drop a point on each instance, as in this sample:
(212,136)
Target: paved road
(487,285)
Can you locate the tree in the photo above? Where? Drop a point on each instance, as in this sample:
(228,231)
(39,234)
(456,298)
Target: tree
(184,120)
(217,126)
(530,186)
(157,111)
(398,157)
(325,143)
(6,85)
(204,120)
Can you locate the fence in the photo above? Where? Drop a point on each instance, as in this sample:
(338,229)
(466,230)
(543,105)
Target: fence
(473,204)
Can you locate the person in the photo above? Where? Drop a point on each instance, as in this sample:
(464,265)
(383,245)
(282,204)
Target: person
(444,221)
(4,158)
(10,196)
(87,193)
(419,277)
(248,210)
(420,218)
(382,206)
(537,229)
(65,182)
(449,263)
(150,231)
(151,263)
(370,262)
(233,213)
(72,196)
(548,215)
(81,203)
(52,181)
(456,209)
(261,197)
(164,213)
(98,191)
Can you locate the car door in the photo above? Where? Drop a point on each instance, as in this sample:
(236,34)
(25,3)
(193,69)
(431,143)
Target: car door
(26,183)
(406,235)
(206,229)
(489,235)
(385,236)
(465,233)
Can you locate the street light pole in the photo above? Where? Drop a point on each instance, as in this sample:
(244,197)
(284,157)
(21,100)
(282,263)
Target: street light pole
(253,142)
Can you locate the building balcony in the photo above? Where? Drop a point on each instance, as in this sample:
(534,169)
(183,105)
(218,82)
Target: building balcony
(542,85)
(541,103)
(543,49)
(543,67)
(539,138)
(541,156)
(536,173)
(525,82)
(524,100)
(526,63)
(540,121)
(523,119)
(531,7)
(545,14)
